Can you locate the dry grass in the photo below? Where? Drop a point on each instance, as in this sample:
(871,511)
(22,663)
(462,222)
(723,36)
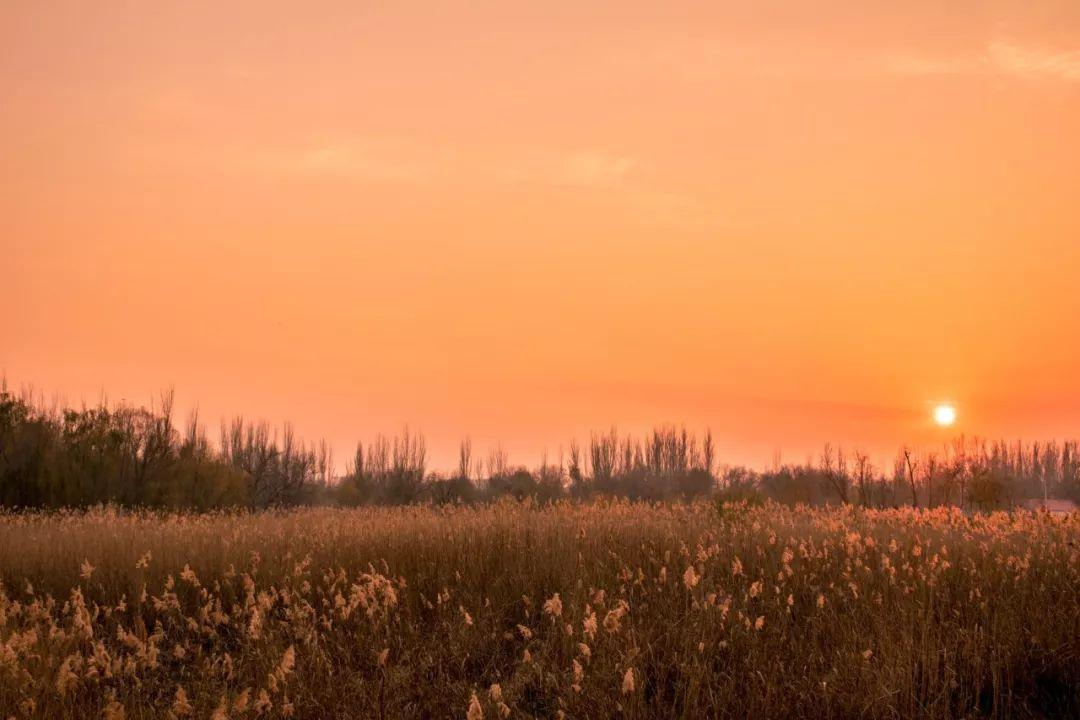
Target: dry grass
(592,611)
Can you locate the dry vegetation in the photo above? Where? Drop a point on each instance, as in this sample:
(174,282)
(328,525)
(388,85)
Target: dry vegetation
(509,610)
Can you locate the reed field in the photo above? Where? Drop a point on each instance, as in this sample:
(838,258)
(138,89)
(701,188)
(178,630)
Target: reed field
(513,610)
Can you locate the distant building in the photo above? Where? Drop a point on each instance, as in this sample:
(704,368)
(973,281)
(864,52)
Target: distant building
(1052,505)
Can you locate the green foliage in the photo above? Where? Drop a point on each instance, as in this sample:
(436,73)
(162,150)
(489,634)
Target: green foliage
(987,490)
(136,457)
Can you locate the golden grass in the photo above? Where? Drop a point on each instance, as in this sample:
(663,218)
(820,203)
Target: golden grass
(587,611)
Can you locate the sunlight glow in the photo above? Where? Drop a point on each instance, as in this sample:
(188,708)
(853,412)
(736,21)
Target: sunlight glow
(945,415)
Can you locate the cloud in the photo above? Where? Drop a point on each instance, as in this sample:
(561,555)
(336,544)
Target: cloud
(398,160)
(711,62)
(375,160)
(620,177)
(998,59)
(1027,62)
(918,66)
(403,162)
(582,169)
(591,169)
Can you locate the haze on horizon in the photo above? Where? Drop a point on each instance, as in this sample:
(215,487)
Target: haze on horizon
(792,222)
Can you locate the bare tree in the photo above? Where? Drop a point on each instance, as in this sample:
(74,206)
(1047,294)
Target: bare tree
(498,461)
(834,470)
(864,471)
(708,453)
(909,467)
(465,458)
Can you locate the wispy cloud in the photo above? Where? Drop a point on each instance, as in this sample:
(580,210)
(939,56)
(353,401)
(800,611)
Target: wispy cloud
(999,58)
(374,160)
(1028,62)
(715,60)
(613,175)
(581,169)
(399,160)
(919,65)
(404,162)
(590,168)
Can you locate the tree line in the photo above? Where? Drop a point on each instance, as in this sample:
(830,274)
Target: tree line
(137,456)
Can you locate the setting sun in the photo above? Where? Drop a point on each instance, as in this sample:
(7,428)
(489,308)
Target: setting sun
(945,415)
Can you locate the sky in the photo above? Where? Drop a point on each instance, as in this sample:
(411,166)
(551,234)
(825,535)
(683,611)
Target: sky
(791,222)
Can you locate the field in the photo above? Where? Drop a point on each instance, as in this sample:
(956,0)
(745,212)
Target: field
(513,611)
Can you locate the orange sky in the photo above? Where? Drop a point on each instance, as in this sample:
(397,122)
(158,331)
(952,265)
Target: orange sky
(793,221)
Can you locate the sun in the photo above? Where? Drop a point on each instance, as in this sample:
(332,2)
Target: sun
(945,415)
